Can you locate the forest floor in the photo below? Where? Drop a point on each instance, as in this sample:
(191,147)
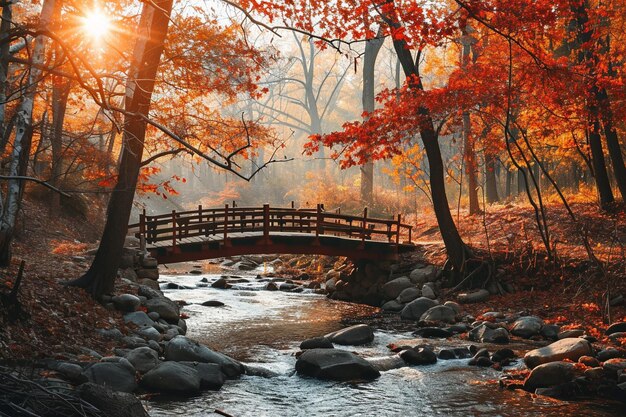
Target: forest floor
(59,320)
(571,291)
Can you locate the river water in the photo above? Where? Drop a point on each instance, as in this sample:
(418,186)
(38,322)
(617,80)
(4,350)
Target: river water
(265,328)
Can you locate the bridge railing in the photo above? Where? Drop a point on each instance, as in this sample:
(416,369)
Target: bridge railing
(229,221)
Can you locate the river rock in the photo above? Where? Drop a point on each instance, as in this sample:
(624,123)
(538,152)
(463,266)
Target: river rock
(387,363)
(317,343)
(393,305)
(213,303)
(221,283)
(126,302)
(616,328)
(408,294)
(473,297)
(71,371)
(113,333)
(271,286)
(433,332)
(167,309)
(550,331)
(149,333)
(392,289)
(138,318)
(113,375)
(172,377)
(439,314)
(335,364)
(571,333)
(360,334)
(614,366)
(417,307)
(420,276)
(446,354)
(211,376)
(549,374)
(485,334)
(111,403)
(152,274)
(253,370)
(617,336)
(143,359)
(149,292)
(454,306)
(610,353)
(589,361)
(428,292)
(182,349)
(421,356)
(527,327)
(571,349)
(502,355)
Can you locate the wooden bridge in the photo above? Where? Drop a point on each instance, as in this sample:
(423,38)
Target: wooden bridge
(228,231)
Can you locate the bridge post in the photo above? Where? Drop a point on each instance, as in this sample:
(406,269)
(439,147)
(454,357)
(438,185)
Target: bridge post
(318,222)
(142,231)
(266,223)
(173,229)
(364,231)
(225,222)
(200,213)
(398,229)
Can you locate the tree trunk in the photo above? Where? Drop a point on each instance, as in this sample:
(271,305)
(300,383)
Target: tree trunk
(491,183)
(60,94)
(5,26)
(599,166)
(23,137)
(372,47)
(612,141)
(100,278)
(456,249)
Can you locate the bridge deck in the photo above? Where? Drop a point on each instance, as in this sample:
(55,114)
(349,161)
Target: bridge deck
(216,233)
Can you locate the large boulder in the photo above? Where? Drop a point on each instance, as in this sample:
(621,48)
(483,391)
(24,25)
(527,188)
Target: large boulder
(421,356)
(182,349)
(126,302)
(408,294)
(360,334)
(113,375)
(167,309)
(473,297)
(527,327)
(111,403)
(335,364)
(392,305)
(211,376)
(392,289)
(172,377)
(139,319)
(420,276)
(572,349)
(439,314)
(550,374)
(417,307)
(143,359)
(316,343)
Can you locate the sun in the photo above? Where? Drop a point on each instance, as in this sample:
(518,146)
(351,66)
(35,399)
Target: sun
(97,24)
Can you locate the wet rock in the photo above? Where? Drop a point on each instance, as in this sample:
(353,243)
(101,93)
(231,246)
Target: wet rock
(454,306)
(126,302)
(354,335)
(616,328)
(527,327)
(446,354)
(481,361)
(439,314)
(473,297)
(149,333)
(433,332)
(213,303)
(421,356)
(428,291)
(392,289)
(459,328)
(167,309)
(571,333)
(260,371)
(211,376)
(316,343)
(502,355)
(550,331)
(113,375)
(408,294)
(111,403)
(486,334)
(138,318)
(143,359)
(393,305)
(172,377)
(221,283)
(335,364)
(387,363)
(571,349)
(195,272)
(271,286)
(286,287)
(182,349)
(610,353)
(462,353)
(549,374)
(417,307)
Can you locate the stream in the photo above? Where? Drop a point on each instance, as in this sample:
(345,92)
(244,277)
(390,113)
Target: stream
(265,328)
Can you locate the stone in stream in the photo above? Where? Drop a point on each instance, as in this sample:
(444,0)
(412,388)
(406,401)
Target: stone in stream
(167,309)
(393,305)
(454,306)
(446,354)
(143,359)
(392,289)
(182,349)
(501,355)
(420,356)
(387,363)
(417,307)
(335,364)
(111,403)
(433,332)
(550,374)
(462,353)
(473,297)
(616,328)
(211,376)
(485,334)
(126,302)
(571,349)
(221,283)
(271,286)
(317,343)
(360,334)
(113,375)
(527,327)
(253,370)
(213,303)
(439,314)
(407,294)
(173,378)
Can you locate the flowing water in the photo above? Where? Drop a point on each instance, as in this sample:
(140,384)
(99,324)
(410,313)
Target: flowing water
(265,328)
